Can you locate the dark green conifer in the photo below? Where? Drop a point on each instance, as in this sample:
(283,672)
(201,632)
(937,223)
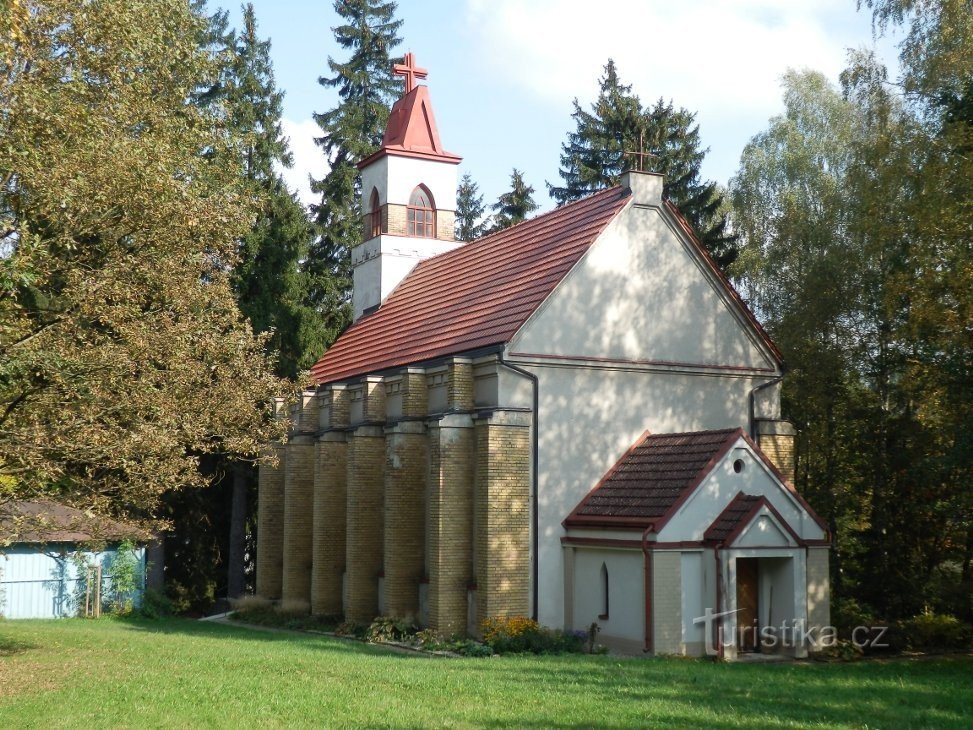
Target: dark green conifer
(515,205)
(350,132)
(470,222)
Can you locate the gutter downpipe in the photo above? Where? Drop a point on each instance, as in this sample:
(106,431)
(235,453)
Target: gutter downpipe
(751,400)
(719,604)
(534,542)
(647,567)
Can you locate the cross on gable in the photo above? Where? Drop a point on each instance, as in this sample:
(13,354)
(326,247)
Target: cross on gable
(639,157)
(410,71)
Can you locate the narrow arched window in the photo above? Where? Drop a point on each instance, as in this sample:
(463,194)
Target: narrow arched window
(374,216)
(422,214)
(604,592)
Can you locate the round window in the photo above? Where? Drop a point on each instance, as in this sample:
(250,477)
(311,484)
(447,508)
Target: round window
(738,466)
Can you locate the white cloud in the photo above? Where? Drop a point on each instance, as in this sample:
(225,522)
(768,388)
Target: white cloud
(309,160)
(705,55)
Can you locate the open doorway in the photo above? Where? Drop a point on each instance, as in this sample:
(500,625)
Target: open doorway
(748,604)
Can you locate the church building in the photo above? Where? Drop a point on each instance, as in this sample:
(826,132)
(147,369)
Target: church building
(575,419)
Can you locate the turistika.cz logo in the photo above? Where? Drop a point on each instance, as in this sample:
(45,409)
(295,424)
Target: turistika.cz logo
(787,635)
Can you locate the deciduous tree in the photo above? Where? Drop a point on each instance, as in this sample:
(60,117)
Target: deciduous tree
(124,355)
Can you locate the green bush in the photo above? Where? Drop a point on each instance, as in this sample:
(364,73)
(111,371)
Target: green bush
(931,632)
(155,604)
(386,628)
(847,614)
(519,635)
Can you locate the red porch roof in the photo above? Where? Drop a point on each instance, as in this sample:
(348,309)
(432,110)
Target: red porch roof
(652,479)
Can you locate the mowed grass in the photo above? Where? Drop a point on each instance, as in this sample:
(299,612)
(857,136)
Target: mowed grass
(179,673)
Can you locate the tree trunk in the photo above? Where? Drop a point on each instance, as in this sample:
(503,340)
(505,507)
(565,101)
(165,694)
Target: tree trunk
(238,521)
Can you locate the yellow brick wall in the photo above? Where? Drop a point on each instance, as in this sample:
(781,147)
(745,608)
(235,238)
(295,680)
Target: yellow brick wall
(396,219)
(667,602)
(415,400)
(365,518)
(502,520)
(330,504)
(270,526)
(779,449)
(450,522)
(406,461)
(298,517)
(459,386)
(818,589)
(373,393)
(445,225)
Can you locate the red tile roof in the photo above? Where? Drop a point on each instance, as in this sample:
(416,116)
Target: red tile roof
(652,479)
(738,512)
(411,131)
(473,297)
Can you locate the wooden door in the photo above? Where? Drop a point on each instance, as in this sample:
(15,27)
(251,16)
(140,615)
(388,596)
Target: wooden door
(747,591)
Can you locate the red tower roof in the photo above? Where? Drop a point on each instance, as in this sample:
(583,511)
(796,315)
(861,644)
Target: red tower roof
(411,130)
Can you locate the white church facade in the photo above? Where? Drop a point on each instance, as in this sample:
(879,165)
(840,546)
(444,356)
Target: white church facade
(575,419)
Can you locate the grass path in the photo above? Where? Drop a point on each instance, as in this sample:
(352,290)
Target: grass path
(176,673)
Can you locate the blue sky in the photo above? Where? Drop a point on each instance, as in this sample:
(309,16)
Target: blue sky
(503,73)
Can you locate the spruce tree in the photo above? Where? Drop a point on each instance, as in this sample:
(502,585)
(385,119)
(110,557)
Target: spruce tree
(350,132)
(470,223)
(515,205)
(271,288)
(593,157)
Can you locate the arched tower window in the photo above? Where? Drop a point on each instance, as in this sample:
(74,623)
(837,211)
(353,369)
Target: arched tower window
(604,592)
(421,214)
(374,216)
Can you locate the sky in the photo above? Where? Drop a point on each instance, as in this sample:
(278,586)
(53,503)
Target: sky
(503,73)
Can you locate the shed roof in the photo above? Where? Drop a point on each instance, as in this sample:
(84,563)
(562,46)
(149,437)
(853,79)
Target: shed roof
(652,478)
(472,297)
(25,522)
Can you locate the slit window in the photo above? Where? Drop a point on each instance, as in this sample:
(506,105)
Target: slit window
(604,592)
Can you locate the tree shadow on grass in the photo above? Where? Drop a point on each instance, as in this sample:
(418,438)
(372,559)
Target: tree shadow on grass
(235,631)
(9,646)
(675,692)
(574,690)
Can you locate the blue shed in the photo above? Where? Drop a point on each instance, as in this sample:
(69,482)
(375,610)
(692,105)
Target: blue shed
(62,562)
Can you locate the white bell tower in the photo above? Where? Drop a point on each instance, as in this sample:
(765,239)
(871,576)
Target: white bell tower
(408,197)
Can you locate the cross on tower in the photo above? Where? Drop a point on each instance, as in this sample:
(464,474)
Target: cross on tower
(410,71)
(640,156)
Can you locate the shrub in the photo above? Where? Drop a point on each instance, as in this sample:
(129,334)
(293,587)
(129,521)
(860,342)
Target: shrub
(351,628)
(847,614)
(842,650)
(518,635)
(386,628)
(931,632)
(155,604)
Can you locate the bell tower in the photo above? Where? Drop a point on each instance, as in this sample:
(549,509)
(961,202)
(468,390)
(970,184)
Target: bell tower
(408,196)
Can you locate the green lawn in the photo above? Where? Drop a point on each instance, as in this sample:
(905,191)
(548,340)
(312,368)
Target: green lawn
(175,673)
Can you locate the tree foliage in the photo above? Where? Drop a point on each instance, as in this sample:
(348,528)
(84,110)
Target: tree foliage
(124,355)
(513,206)
(854,212)
(597,152)
(470,221)
(271,287)
(350,132)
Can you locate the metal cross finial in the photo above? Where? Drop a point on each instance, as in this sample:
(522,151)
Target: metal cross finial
(410,71)
(639,157)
